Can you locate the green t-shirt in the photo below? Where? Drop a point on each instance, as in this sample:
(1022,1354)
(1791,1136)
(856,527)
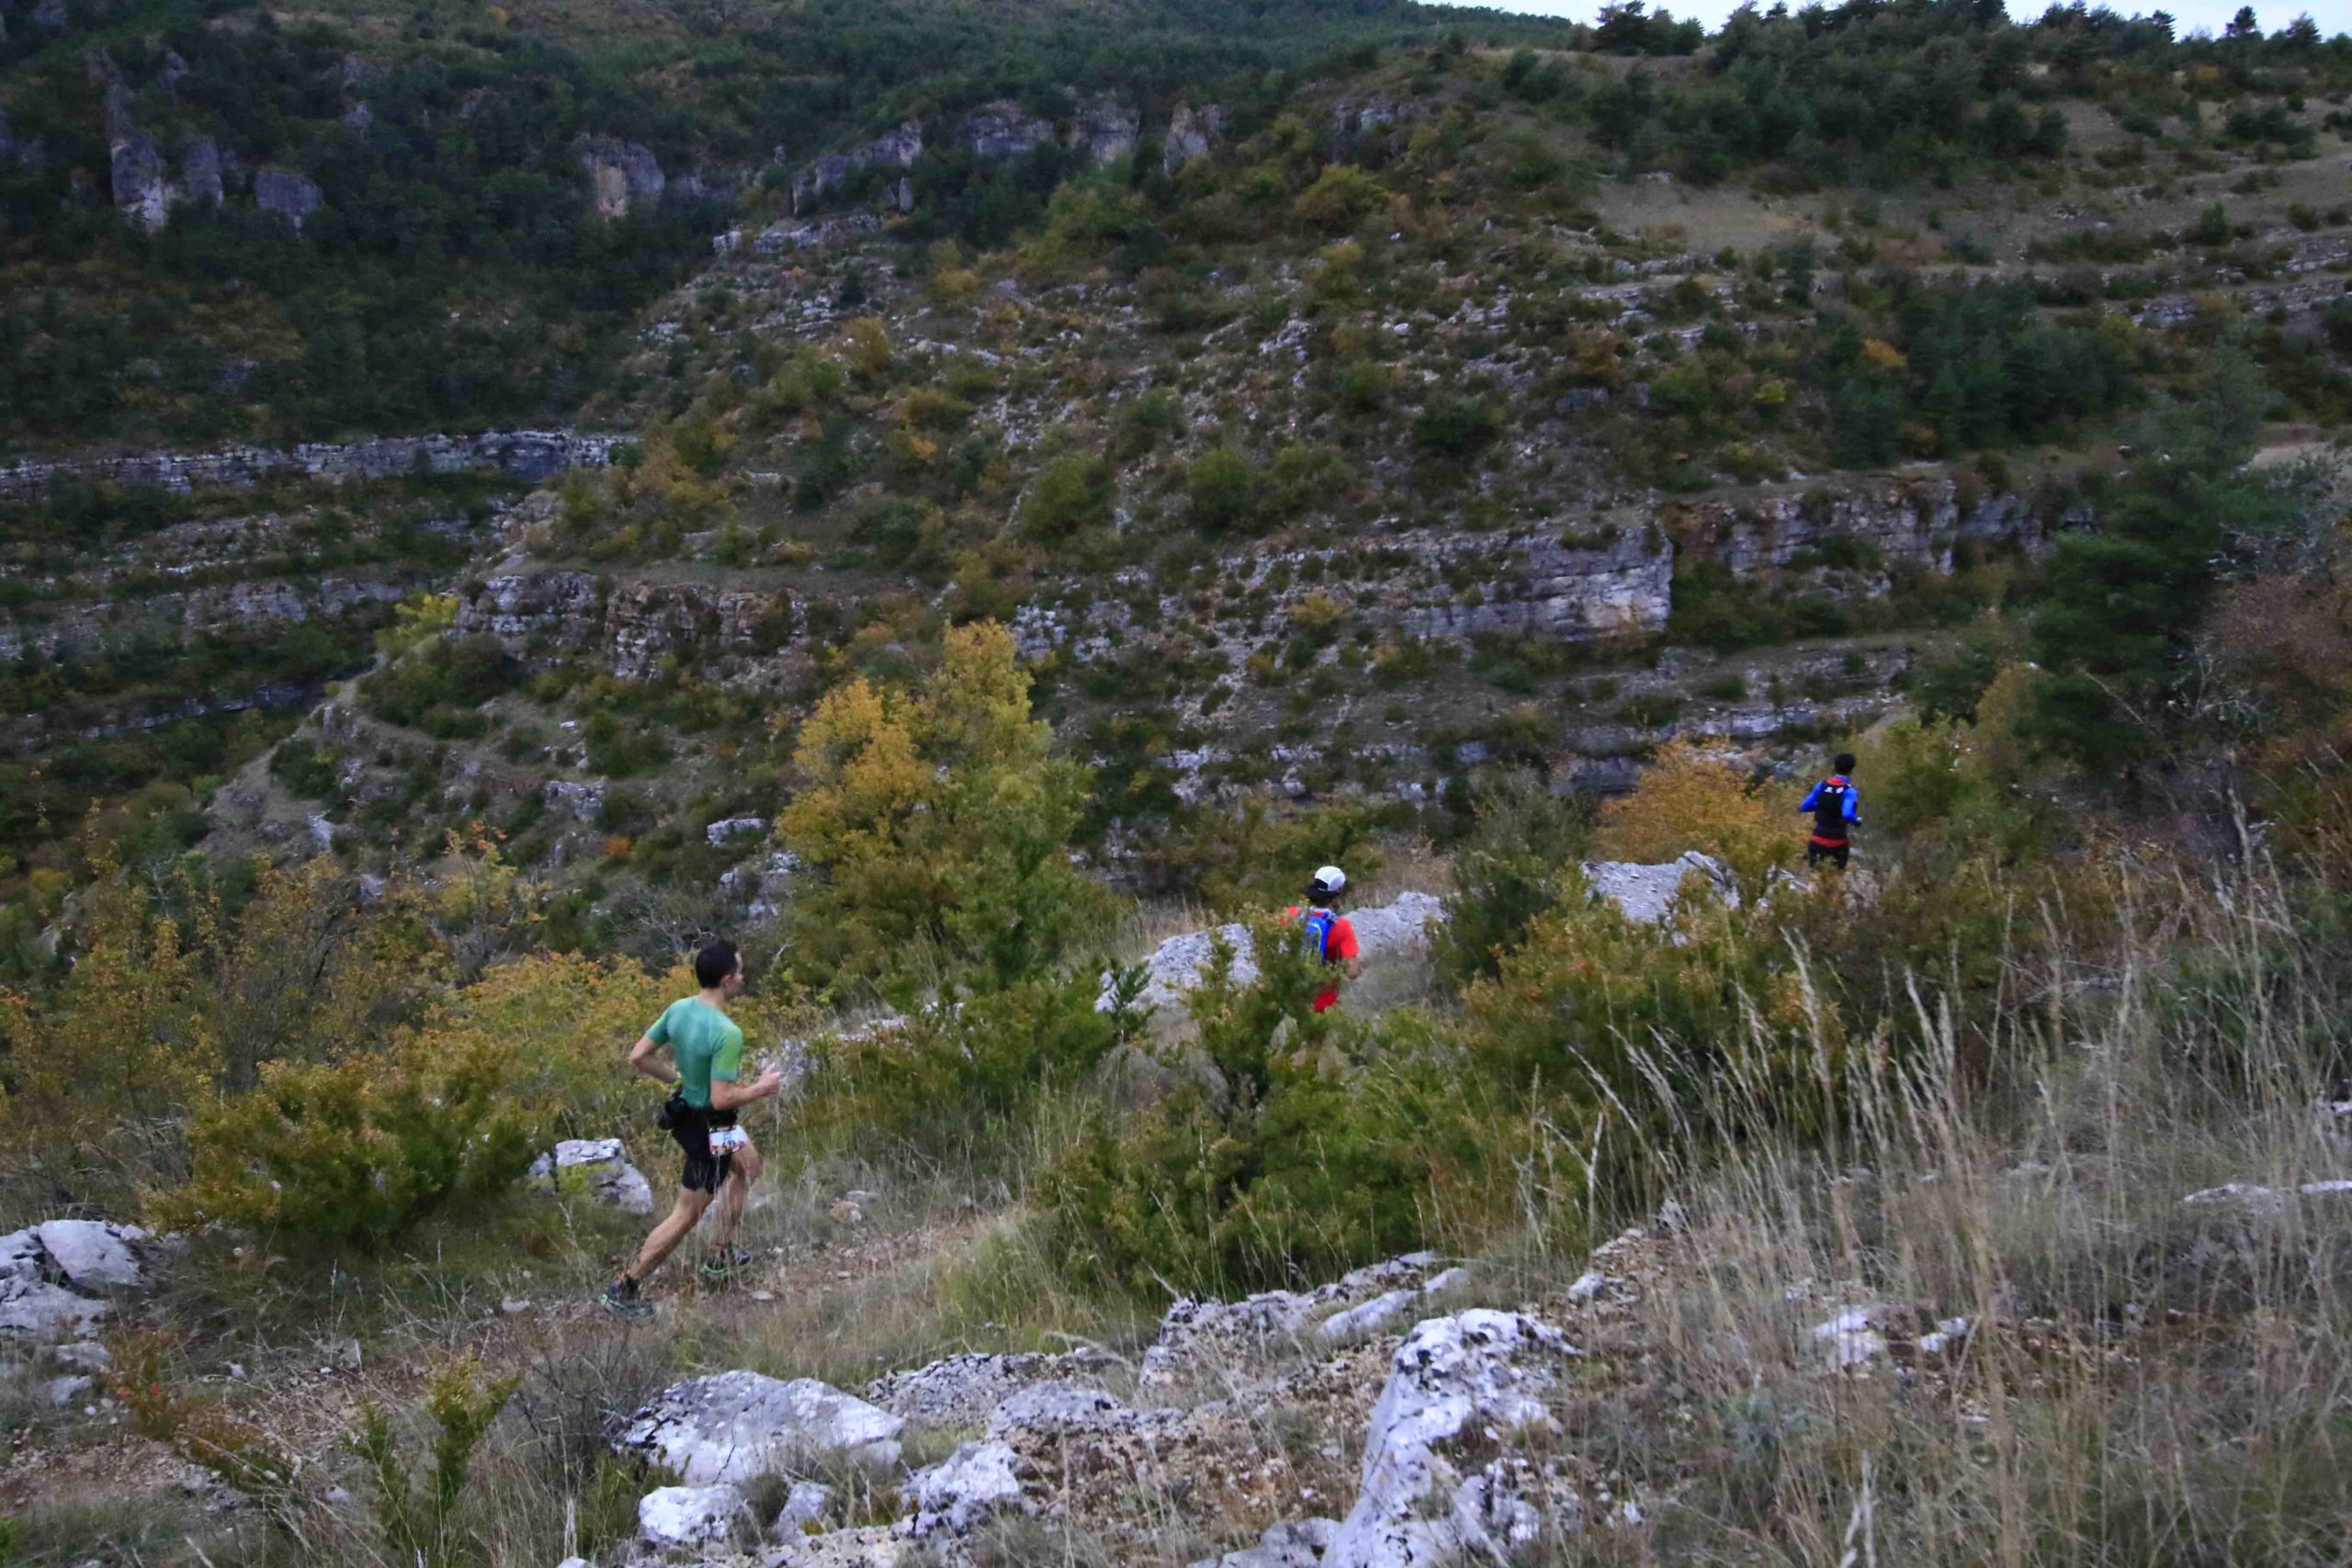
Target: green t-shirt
(704,1043)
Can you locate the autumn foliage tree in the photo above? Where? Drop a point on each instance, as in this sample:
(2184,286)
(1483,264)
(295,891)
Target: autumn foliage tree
(937,825)
(1689,800)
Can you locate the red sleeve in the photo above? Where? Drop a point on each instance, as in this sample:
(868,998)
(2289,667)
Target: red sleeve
(1343,940)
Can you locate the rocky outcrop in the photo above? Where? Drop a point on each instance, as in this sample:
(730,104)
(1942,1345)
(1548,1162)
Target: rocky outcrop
(1912,523)
(57,1279)
(600,1164)
(1178,965)
(963,1391)
(623,177)
(1622,586)
(137,178)
(997,131)
(234,608)
(815,234)
(895,149)
(286,195)
(1103,128)
(1459,1386)
(529,456)
(1200,1339)
(543,615)
(1192,133)
(740,1425)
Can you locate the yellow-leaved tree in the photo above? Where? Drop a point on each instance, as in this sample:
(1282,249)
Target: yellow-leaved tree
(103,1071)
(1689,800)
(935,826)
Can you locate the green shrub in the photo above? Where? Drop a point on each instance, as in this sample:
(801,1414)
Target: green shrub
(1288,1168)
(1505,875)
(1222,487)
(305,770)
(1456,428)
(352,1151)
(421,1525)
(1071,497)
(949,1073)
(437,688)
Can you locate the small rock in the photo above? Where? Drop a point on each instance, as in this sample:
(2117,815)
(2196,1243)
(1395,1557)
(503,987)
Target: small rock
(1294,1543)
(41,1312)
(1949,1337)
(671,1516)
(807,1502)
(1852,1336)
(64,1392)
(977,1480)
(1366,1317)
(740,1425)
(512,1305)
(600,1161)
(1589,1285)
(83,1356)
(1055,1407)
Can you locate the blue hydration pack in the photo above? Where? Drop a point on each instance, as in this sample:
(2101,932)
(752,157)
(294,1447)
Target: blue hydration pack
(1316,926)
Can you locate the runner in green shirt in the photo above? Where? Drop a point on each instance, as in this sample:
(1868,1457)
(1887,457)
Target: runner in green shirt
(708,1048)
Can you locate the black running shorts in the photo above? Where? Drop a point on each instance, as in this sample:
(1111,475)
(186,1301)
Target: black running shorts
(1834,853)
(703,1173)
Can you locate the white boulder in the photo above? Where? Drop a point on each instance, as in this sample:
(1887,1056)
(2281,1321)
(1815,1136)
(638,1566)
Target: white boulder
(740,1425)
(83,1356)
(1645,894)
(93,1255)
(1178,965)
(954,1495)
(671,1516)
(1468,1381)
(604,1167)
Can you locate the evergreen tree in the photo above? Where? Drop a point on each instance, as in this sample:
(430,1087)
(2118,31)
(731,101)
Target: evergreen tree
(2123,599)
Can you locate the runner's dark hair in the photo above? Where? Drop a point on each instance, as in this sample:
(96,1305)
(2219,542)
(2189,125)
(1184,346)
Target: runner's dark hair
(715,962)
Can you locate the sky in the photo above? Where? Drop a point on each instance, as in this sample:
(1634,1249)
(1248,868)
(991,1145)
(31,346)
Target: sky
(2187,15)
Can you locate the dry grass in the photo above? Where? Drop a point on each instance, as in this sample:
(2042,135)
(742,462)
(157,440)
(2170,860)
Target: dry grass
(2146,1382)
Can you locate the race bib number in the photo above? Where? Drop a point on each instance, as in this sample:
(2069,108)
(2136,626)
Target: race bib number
(727,1140)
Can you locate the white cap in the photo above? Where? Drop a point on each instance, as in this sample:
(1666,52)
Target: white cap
(1330,879)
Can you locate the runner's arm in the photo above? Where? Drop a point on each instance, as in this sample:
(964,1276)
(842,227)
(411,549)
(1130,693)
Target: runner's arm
(1811,798)
(644,1060)
(726,1094)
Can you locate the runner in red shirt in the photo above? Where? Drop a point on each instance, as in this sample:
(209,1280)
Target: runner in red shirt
(1329,931)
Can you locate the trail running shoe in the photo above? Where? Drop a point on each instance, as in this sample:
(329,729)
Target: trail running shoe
(725,1266)
(623,1300)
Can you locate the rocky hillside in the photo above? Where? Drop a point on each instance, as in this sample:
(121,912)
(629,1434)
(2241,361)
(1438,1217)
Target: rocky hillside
(1354,444)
